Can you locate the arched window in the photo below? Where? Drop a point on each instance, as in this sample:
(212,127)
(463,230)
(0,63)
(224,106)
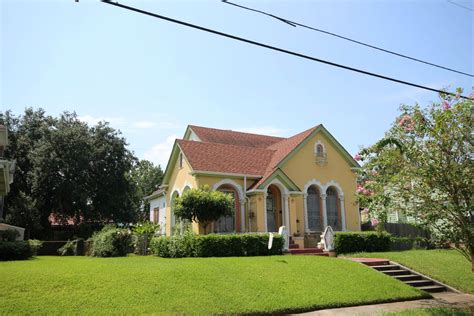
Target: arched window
(333,208)
(319,150)
(229,223)
(320,154)
(313,203)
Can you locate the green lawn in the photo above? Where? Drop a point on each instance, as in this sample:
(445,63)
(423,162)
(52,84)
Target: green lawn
(135,284)
(447,266)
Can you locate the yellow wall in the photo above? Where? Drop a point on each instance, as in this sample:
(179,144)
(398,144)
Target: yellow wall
(302,168)
(180,177)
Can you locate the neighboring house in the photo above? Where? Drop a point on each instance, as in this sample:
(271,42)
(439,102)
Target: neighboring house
(305,182)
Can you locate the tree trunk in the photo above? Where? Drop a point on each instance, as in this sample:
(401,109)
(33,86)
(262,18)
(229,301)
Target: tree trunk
(472,260)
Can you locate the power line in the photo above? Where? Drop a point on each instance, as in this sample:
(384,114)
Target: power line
(241,39)
(460,5)
(294,24)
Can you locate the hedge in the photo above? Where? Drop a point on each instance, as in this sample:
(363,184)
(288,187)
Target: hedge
(216,245)
(15,250)
(111,242)
(349,242)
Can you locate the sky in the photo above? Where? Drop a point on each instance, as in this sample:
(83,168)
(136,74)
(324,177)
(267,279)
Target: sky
(150,78)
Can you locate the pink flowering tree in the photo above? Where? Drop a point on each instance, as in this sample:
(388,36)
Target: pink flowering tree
(424,169)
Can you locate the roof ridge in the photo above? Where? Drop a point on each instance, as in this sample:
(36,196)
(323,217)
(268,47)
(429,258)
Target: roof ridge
(225,145)
(233,131)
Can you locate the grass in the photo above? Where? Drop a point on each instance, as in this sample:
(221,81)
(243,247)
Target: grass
(434,311)
(447,266)
(132,285)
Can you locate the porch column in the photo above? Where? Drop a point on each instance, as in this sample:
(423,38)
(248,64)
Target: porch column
(287,213)
(343,212)
(305,207)
(325,213)
(242,215)
(265,229)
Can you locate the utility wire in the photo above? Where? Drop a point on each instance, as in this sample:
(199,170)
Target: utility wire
(460,5)
(294,24)
(241,39)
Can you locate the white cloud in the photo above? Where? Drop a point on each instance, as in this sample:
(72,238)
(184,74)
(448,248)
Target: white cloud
(144,124)
(93,120)
(160,153)
(263,130)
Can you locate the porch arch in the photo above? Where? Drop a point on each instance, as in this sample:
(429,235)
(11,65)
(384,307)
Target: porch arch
(239,206)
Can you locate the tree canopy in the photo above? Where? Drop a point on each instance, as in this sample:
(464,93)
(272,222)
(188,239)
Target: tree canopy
(76,172)
(203,205)
(424,168)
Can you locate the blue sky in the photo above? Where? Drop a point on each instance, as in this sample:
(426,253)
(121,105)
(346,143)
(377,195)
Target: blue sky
(150,78)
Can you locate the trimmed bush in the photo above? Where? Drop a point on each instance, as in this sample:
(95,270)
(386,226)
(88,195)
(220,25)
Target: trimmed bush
(216,245)
(349,242)
(111,242)
(15,250)
(9,235)
(35,245)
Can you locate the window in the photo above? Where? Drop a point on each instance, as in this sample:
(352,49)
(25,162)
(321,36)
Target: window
(333,209)
(320,154)
(313,203)
(181,160)
(156,214)
(319,150)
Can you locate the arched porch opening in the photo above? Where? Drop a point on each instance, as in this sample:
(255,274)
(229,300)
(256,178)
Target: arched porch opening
(274,208)
(230,223)
(174,195)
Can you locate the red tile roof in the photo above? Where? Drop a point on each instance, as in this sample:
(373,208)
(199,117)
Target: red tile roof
(215,157)
(227,151)
(281,150)
(213,135)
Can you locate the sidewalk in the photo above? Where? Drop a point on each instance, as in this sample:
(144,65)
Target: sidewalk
(447,299)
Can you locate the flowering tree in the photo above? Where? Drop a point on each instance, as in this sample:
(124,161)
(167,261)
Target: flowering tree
(424,168)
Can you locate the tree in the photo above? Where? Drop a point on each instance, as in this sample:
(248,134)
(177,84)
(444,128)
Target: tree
(67,168)
(147,177)
(203,205)
(424,167)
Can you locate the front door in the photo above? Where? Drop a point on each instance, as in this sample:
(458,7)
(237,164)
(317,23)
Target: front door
(271,213)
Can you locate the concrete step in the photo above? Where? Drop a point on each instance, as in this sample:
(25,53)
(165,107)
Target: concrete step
(324,254)
(386,267)
(371,261)
(407,277)
(396,272)
(418,283)
(433,288)
(305,250)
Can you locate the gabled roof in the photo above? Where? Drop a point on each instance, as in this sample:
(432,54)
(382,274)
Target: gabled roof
(229,152)
(215,157)
(213,135)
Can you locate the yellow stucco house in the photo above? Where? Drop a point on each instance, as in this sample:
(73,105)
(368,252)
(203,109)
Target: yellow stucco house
(305,182)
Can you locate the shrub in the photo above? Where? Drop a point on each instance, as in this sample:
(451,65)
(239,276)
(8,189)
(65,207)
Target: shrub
(35,245)
(15,250)
(111,242)
(142,234)
(9,235)
(79,249)
(67,249)
(348,242)
(216,245)
(408,243)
